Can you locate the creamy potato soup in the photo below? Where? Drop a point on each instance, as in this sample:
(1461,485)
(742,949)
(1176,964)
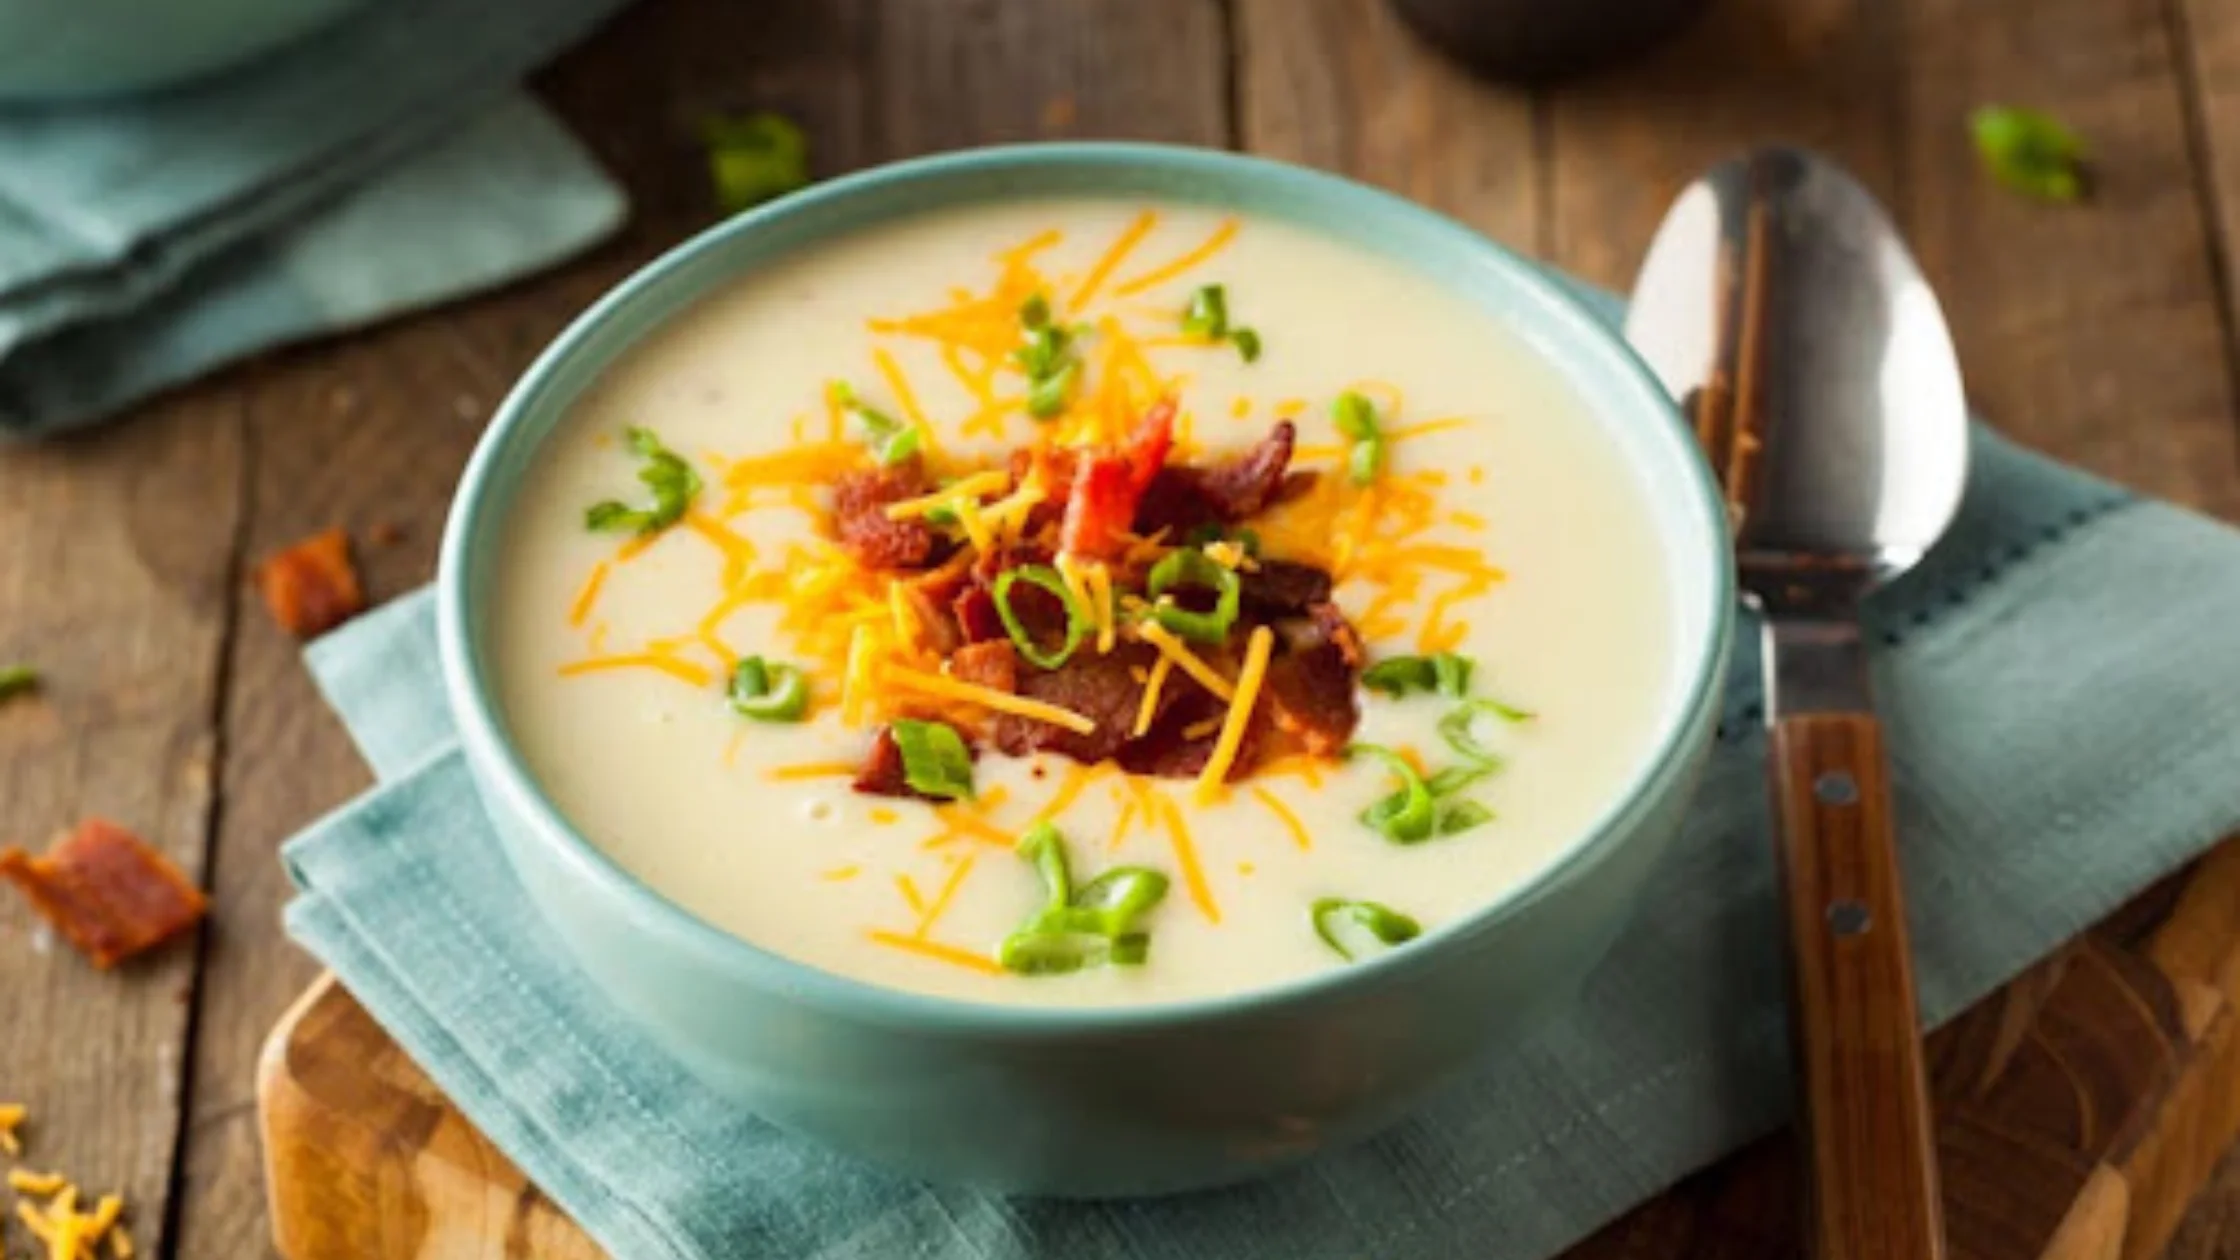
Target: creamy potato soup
(1081,602)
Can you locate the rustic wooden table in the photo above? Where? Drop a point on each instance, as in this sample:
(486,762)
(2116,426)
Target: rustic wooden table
(2102,333)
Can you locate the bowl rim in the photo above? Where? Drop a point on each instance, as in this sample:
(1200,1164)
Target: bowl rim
(498,767)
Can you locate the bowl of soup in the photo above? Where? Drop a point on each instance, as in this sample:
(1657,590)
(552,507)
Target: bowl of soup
(1091,669)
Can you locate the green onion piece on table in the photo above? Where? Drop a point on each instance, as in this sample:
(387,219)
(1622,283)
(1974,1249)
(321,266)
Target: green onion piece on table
(890,441)
(1408,816)
(1047,578)
(754,158)
(1358,929)
(769,692)
(2030,152)
(1459,727)
(17,679)
(1356,418)
(935,761)
(665,474)
(1191,568)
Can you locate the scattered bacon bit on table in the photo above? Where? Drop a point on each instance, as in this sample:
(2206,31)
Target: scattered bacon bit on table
(312,587)
(108,893)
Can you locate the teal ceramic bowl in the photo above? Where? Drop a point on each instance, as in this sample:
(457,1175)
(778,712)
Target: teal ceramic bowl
(65,49)
(1117,1101)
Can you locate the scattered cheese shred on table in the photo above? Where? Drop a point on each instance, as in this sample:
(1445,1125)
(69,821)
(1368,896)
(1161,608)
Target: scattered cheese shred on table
(11,1119)
(65,1232)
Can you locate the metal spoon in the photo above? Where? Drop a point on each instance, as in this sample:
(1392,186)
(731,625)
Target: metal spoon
(1780,306)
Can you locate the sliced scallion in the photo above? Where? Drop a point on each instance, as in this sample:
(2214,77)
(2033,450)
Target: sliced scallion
(935,761)
(1447,673)
(1459,816)
(1358,929)
(1207,315)
(1356,418)
(1046,848)
(769,692)
(1049,580)
(1459,726)
(1409,815)
(671,480)
(1048,359)
(2030,152)
(1080,927)
(890,440)
(1188,567)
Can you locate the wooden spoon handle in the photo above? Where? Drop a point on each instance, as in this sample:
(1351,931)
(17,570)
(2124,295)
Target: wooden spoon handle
(1873,1174)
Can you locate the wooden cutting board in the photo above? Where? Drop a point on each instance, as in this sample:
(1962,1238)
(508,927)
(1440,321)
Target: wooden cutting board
(2079,1110)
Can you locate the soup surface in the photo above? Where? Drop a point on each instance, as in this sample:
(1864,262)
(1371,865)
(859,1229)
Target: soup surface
(833,457)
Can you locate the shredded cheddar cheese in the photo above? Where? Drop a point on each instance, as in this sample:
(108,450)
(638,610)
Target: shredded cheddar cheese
(979,483)
(29,1182)
(1182,265)
(812,770)
(588,595)
(1284,815)
(1186,855)
(1257,649)
(941,685)
(11,1119)
(1176,651)
(1151,687)
(937,951)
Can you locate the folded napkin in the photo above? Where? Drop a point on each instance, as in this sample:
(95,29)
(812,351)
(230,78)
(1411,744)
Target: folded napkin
(2062,687)
(373,166)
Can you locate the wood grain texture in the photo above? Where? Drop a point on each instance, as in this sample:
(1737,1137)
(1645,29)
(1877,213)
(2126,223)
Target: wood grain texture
(1871,1166)
(114,574)
(1342,85)
(2068,315)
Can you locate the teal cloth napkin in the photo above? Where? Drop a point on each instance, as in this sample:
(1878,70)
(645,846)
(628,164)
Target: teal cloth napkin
(377,165)
(2062,687)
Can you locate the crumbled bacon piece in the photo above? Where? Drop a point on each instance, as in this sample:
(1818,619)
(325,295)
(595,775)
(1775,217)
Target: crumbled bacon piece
(859,515)
(106,891)
(1101,501)
(1182,498)
(1282,588)
(1102,688)
(1311,682)
(312,587)
(993,664)
(883,772)
(977,618)
(1169,750)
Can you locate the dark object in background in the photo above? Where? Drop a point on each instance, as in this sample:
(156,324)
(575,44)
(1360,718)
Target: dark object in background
(1539,41)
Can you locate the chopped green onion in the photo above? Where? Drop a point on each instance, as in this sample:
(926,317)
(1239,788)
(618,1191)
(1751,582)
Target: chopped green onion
(1201,536)
(1455,778)
(1356,929)
(767,692)
(2030,152)
(1047,358)
(1446,673)
(1247,343)
(1185,567)
(1407,816)
(1458,727)
(891,441)
(17,679)
(1461,816)
(1356,418)
(671,480)
(1207,315)
(1046,397)
(1031,952)
(1082,927)
(1077,617)
(1120,896)
(754,159)
(1047,848)
(935,761)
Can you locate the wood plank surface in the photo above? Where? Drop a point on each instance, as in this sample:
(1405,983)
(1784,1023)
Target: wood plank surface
(115,571)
